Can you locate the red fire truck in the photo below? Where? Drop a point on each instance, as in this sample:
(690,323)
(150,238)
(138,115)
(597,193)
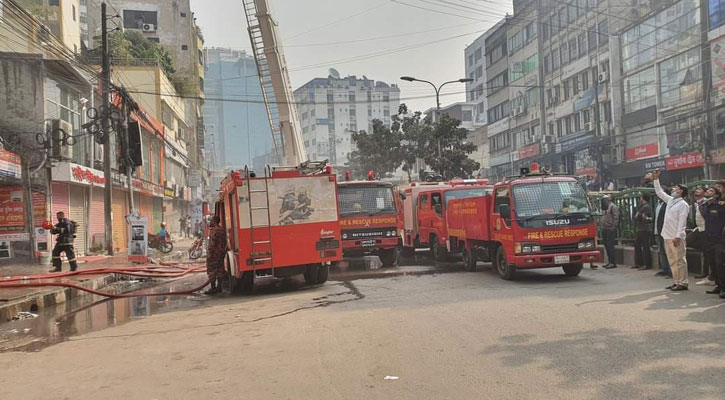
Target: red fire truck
(369,218)
(424,213)
(281,224)
(536,220)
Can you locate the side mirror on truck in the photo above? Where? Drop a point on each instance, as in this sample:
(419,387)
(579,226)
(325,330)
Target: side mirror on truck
(505,211)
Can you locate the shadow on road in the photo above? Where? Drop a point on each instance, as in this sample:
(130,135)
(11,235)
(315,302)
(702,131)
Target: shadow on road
(626,366)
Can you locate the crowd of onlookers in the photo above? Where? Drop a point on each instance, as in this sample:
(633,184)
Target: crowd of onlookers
(675,224)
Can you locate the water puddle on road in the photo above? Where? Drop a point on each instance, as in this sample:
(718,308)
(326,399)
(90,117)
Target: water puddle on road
(92,313)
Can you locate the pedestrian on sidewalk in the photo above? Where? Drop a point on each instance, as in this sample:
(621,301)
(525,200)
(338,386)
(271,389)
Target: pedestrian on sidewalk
(642,251)
(713,210)
(216,251)
(182,226)
(659,220)
(188,226)
(673,231)
(696,238)
(66,230)
(609,223)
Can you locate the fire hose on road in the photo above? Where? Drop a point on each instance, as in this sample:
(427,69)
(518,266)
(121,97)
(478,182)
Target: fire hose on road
(161,271)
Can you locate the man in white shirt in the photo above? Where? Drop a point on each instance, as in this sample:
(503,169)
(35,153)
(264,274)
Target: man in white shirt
(673,231)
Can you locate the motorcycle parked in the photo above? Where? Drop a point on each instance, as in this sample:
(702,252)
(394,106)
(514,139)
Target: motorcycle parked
(163,245)
(197,248)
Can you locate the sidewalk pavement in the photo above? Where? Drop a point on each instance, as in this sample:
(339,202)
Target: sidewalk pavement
(14,300)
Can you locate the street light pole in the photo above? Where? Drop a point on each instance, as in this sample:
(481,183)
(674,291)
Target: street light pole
(437,89)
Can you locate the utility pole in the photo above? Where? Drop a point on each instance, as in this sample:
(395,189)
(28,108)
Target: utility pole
(106,106)
(126,153)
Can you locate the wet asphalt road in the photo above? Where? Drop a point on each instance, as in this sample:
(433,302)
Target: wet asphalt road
(604,335)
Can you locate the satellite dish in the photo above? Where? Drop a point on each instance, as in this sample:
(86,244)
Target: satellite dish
(333,73)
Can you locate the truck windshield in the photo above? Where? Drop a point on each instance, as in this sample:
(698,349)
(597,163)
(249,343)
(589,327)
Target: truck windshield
(365,200)
(466,193)
(549,198)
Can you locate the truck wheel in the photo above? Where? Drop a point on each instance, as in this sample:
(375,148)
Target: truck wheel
(469,259)
(504,269)
(572,269)
(246,282)
(311,273)
(408,252)
(439,252)
(389,257)
(322,273)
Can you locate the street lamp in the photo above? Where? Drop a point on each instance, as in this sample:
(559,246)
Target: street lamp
(438,97)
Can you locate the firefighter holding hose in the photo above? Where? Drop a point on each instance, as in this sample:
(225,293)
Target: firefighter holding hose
(216,252)
(66,231)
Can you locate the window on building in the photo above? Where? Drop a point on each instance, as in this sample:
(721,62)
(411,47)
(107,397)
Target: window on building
(479,72)
(477,54)
(499,112)
(564,53)
(592,38)
(559,128)
(585,80)
(680,78)
(567,124)
(547,63)
(545,31)
(555,61)
(470,60)
(467,116)
(577,122)
(73,11)
(585,116)
(530,31)
(640,90)
(603,32)
(498,82)
(582,44)
(554,23)
(353,113)
(351,97)
(575,85)
(717,13)
(551,129)
(567,89)
(137,19)
(386,98)
(573,50)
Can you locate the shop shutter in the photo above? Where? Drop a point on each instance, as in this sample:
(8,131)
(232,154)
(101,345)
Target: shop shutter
(120,233)
(97,223)
(147,210)
(78,214)
(158,216)
(59,200)
(172,217)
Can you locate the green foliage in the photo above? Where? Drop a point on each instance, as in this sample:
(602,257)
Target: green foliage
(447,150)
(132,45)
(409,138)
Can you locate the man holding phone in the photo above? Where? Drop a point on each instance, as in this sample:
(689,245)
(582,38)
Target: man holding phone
(673,231)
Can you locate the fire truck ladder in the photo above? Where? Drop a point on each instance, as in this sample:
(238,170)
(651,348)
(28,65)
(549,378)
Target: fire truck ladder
(265,79)
(261,246)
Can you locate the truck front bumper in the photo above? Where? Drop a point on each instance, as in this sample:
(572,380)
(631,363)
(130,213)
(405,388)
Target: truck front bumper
(362,246)
(556,259)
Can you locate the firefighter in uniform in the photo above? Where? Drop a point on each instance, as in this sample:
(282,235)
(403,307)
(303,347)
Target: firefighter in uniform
(65,230)
(216,252)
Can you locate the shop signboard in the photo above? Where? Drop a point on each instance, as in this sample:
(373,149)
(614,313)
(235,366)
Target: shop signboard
(717,156)
(137,238)
(683,161)
(12,209)
(571,143)
(499,126)
(642,151)
(194,178)
(531,150)
(10,164)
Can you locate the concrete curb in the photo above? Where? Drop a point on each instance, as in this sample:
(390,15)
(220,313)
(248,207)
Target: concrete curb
(43,299)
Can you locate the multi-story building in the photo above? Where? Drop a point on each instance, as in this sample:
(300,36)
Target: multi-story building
(497,93)
(332,108)
(475,64)
(236,131)
(716,37)
(577,86)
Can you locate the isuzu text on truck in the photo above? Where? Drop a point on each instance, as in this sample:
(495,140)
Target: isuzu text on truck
(281,224)
(532,221)
(369,219)
(424,213)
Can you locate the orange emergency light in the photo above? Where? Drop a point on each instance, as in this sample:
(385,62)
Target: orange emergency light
(534,168)
(328,169)
(371,175)
(347,175)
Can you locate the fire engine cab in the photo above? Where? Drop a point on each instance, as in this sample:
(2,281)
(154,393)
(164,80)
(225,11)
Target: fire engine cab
(369,218)
(424,213)
(536,220)
(281,224)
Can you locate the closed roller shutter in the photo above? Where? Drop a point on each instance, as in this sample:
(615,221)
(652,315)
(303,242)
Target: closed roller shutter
(78,214)
(97,222)
(158,216)
(59,200)
(172,216)
(120,233)
(147,210)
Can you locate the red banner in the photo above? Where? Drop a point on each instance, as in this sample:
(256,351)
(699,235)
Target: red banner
(12,209)
(529,151)
(683,161)
(643,151)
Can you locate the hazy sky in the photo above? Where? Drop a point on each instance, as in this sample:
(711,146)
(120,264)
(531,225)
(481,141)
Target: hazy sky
(427,44)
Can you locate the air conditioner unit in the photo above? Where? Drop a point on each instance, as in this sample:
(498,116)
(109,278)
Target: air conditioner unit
(149,28)
(520,110)
(589,126)
(602,77)
(60,131)
(514,111)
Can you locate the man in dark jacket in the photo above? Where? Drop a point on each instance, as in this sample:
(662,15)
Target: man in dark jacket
(713,210)
(658,223)
(643,219)
(65,229)
(609,222)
